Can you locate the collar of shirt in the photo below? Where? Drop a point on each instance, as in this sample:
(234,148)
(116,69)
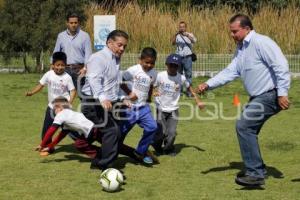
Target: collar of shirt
(69,33)
(109,53)
(248,37)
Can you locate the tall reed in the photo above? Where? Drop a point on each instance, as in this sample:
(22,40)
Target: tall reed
(155,25)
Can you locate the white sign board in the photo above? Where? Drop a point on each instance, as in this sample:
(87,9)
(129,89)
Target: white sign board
(103,25)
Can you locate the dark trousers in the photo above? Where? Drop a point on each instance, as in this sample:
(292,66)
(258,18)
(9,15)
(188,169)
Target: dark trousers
(255,114)
(166,134)
(108,127)
(73,71)
(48,120)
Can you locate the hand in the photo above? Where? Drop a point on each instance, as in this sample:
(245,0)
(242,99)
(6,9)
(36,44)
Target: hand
(132,96)
(202,87)
(82,72)
(28,94)
(46,149)
(38,148)
(201,105)
(127,103)
(106,104)
(156,93)
(283,102)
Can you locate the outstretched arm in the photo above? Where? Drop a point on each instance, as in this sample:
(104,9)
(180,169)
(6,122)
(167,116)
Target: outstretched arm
(199,103)
(35,90)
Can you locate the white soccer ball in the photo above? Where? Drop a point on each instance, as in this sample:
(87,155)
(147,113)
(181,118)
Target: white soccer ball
(111,180)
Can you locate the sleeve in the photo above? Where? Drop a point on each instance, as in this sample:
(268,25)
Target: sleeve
(59,119)
(87,49)
(153,77)
(185,82)
(70,84)
(57,45)
(48,136)
(95,76)
(128,74)
(274,58)
(156,82)
(226,75)
(57,139)
(44,79)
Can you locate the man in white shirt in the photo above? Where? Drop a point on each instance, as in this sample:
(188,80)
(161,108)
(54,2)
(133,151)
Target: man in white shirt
(100,93)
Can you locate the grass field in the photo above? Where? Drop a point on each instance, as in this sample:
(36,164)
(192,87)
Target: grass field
(207,161)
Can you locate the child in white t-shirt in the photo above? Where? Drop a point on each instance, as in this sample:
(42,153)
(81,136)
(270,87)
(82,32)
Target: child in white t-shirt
(141,78)
(168,84)
(59,84)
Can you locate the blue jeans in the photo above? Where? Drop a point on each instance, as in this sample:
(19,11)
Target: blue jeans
(255,114)
(186,67)
(143,117)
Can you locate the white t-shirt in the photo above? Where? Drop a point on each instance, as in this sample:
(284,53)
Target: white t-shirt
(58,85)
(140,82)
(169,90)
(74,121)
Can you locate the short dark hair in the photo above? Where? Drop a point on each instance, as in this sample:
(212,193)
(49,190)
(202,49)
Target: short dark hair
(61,100)
(148,52)
(243,19)
(73,15)
(117,33)
(183,22)
(59,56)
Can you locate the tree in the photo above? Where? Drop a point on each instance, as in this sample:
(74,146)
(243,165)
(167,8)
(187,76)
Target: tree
(31,26)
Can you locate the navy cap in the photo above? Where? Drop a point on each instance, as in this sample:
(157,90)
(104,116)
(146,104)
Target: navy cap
(174,59)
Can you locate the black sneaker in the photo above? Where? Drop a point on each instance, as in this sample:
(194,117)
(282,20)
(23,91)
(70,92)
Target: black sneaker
(249,181)
(95,165)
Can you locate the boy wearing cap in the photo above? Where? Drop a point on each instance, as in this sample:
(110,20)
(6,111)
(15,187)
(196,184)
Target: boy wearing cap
(167,95)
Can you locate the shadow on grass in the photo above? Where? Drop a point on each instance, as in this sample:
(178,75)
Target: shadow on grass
(180,146)
(272,171)
(252,188)
(296,180)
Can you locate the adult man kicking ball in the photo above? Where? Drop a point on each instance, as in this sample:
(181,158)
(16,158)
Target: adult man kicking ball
(265,74)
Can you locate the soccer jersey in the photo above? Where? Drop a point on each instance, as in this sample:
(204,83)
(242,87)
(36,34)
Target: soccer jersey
(58,85)
(169,90)
(74,121)
(140,82)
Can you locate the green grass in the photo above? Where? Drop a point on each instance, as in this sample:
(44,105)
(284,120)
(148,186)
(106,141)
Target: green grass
(204,168)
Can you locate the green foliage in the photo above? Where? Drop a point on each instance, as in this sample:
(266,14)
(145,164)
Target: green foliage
(31,26)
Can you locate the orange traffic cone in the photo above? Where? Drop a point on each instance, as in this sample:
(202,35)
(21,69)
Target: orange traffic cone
(236,100)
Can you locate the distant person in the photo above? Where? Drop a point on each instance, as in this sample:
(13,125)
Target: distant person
(264,71)
(59,84)
(77,45)
(184,44)
(167,92)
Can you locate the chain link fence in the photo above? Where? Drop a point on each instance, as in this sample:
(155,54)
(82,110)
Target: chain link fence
(206,65)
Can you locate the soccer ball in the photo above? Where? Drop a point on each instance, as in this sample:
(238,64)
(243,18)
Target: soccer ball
(111,180)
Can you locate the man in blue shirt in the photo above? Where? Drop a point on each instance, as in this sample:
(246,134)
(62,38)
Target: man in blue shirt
(265,74)
(77,46)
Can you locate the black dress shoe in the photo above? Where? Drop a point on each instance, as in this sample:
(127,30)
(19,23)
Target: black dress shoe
(95,165)
(249,181)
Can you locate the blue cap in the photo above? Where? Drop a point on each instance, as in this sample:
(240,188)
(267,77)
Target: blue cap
(174,59)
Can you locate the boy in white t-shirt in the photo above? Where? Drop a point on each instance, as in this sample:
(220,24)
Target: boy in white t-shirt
(168,84)
(141,77)
(59,84)
(71,121)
